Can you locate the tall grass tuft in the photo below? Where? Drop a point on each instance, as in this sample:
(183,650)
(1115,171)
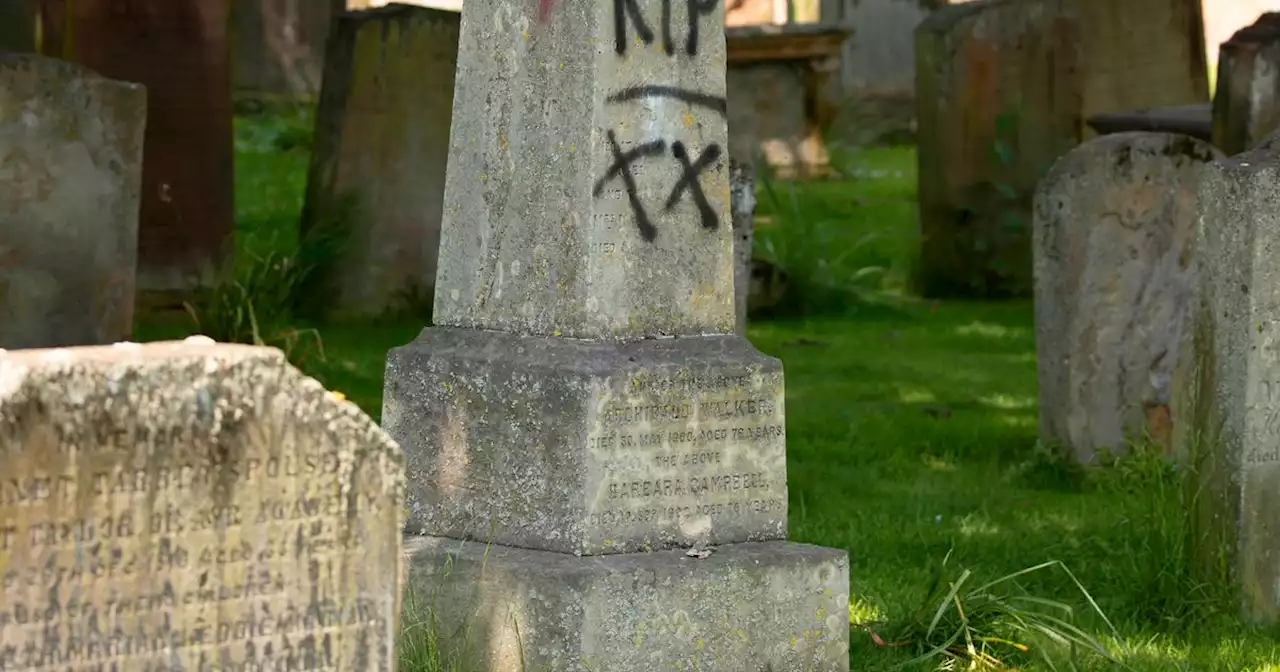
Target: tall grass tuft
(996,625)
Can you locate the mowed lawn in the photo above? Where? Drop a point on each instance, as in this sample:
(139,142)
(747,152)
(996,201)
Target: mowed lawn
(912,440)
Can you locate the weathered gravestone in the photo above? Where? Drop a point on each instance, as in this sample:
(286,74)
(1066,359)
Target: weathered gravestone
(1139,54)
(70,173)
(1115,224)
(192,506)
(742,211)
(999,97)
(1232,404)
(583,413)
(277,46)
(1246,107)
(376,186)
(178,49)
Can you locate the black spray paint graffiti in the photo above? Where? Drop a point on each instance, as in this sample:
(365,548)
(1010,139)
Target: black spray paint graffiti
(628,11)
(689,182)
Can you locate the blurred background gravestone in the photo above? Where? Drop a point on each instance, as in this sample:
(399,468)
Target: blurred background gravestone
(178,50)
(1246,107)
(377,169)
(999,95)
(70,174)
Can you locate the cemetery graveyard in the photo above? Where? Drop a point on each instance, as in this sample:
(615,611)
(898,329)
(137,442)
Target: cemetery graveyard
(559,336)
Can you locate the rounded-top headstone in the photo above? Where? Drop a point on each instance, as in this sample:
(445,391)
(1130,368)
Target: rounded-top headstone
(1114,234)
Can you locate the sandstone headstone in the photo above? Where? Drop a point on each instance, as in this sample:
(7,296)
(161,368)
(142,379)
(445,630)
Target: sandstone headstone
(1115,223)
(70,174)
(1139,54)
(192,506)
(178,49)
(549,417)
(1246,107)
(742,210)
(1232,406)
(382,142)
(999,97)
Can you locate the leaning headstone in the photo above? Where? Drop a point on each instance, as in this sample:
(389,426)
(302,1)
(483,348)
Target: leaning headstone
(999,95)
(70,174)
(742,210)
(1115,223)
(192,506)
(1246,107)
(382,142)
(178,49)
(1232,406)
(551,415)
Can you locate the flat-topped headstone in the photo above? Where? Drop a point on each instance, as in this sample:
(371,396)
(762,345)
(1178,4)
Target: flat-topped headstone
(179,50)
(587,190)
(1140,54)
(378,166)
(586,411)
(1114,228)
(1246,107)
(192,506)
(1232,404)
(70,177)
(1011,70)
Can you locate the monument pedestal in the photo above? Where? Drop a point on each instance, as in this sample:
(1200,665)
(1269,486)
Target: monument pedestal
(589,447)
(748,607)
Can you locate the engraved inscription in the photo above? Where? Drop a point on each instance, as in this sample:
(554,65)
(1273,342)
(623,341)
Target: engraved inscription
(1264,442)
(685,448)
(220,563)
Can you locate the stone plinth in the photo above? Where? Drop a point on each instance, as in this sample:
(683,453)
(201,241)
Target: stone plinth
(376,185)
(762,606)
(999,92)
(70,176)
(1232,404)
(1115,223)
(625,447)
(1246,106)
(192,506)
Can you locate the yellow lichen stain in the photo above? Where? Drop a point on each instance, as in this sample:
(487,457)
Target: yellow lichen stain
(337,395)
(556,332)
(820,614)
(689,121)
(484,177)
(794,641)
(640,633)
(572,148)
(525,34)
(699,643)
(562,66)
(502,141)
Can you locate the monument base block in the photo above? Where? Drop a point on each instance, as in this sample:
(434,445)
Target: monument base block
(588,447)
(749,607)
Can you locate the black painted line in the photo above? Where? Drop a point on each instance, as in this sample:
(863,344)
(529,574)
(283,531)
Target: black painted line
(714,103)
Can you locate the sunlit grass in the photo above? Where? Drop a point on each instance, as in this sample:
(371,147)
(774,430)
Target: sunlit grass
(911,438)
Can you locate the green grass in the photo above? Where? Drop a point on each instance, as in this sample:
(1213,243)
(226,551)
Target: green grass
(911,438)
